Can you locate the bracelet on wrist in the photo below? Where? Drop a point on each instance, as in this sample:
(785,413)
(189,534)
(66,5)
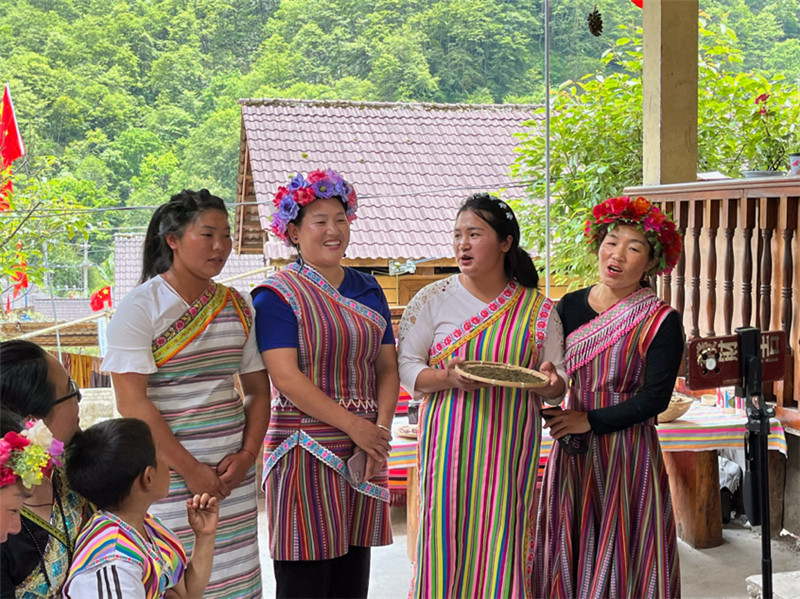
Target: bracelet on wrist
(244,449)
(386,428)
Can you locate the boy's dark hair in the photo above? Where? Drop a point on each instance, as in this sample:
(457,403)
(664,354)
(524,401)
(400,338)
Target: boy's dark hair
(104,460)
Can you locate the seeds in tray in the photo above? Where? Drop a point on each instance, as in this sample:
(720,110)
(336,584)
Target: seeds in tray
(500,373)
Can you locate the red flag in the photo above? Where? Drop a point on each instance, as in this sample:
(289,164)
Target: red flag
(99,298)
(638,3)
(11,146)
(20,277)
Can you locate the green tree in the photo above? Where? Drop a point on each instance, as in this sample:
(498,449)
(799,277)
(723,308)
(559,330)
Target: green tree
(596,137)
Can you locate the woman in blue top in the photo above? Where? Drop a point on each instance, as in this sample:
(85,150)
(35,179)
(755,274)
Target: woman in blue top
(326,336)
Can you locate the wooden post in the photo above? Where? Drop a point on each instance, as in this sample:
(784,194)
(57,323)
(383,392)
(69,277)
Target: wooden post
(669,81)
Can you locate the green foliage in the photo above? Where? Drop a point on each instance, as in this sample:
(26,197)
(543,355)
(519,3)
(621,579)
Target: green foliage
(139,99)
(46,207)
(596,137)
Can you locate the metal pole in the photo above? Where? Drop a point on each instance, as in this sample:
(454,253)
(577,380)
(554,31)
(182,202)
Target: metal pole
(52,298)
(85,269)
(547,146)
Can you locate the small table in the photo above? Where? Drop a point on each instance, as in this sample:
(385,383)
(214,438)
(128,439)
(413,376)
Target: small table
(689,446)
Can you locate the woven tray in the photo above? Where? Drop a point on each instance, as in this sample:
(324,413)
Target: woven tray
(502,375)
(678,406)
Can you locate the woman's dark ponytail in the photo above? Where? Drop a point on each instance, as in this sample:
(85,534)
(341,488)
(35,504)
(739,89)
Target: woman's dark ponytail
(517,264)
(182,209)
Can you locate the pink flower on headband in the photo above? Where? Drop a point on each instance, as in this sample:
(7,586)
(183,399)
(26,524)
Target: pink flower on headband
(302,191)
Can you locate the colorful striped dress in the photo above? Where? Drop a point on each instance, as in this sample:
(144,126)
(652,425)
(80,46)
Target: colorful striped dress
(35,576)
(606,526)
(315,510)
(478,451)
(192,387)
(158,562)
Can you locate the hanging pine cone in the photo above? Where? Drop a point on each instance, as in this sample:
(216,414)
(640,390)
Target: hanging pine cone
(595,20)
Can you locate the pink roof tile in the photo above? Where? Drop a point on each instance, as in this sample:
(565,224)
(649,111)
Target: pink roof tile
(403,160)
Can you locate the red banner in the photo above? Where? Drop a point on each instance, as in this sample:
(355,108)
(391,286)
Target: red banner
(11,146)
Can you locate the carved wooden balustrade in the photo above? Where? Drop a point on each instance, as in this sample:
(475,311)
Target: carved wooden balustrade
(753,225)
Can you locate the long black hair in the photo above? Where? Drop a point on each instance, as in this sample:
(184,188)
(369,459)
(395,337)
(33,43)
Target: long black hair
(517,263)
(24,386)
(173,217)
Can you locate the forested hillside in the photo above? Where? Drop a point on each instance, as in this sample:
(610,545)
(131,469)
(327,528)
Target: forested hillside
(121,103)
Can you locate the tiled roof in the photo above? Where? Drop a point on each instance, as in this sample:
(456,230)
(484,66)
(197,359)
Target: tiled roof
(404,161)
(38,300)
(128,267)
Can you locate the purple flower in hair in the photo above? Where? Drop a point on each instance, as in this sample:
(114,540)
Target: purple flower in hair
(341,189)
(297,182)
(289,209)
(323,188)
(334,176)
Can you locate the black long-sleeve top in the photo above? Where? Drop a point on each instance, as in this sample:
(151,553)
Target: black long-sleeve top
(662,362)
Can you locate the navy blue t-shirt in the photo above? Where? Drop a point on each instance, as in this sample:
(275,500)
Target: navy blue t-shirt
(276,324)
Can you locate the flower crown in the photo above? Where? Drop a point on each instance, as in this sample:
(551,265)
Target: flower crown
(29,455)
(302,191)
(659,230)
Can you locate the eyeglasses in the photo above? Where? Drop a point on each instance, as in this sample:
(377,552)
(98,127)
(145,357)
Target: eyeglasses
(74,391)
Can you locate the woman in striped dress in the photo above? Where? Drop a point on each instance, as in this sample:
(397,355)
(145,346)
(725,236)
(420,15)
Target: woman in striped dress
(606,526)
(479,445)
(174,346)
(326,336)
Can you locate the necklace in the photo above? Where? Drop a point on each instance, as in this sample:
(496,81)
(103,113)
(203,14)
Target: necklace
(66,541)
(42,563)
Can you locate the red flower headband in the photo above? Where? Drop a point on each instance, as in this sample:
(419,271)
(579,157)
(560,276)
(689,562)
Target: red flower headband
(659,230)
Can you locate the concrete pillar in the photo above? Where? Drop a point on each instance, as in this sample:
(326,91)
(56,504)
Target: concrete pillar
(669,80)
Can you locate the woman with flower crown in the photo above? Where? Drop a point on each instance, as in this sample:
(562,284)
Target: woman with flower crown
(478,448)
(27,457)
(33,384)
(606,526)
(326,336)
(175,345)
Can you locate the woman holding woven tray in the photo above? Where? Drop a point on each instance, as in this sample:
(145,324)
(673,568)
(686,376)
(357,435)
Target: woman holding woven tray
(174,346)
(606,526)
(326,336)
(479,444)
(34,563)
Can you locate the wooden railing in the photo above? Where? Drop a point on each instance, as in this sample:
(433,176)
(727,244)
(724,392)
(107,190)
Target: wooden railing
(753,225)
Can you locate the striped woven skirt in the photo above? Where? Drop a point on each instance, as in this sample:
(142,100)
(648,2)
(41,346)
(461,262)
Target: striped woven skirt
(606,526)
(478,458)
(210,431)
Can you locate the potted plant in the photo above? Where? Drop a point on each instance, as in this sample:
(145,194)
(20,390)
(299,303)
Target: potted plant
(769,133)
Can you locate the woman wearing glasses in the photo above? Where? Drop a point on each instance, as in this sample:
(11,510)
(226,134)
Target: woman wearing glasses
(35,562)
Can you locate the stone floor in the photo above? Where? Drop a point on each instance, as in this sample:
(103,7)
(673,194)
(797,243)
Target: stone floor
(705,573)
